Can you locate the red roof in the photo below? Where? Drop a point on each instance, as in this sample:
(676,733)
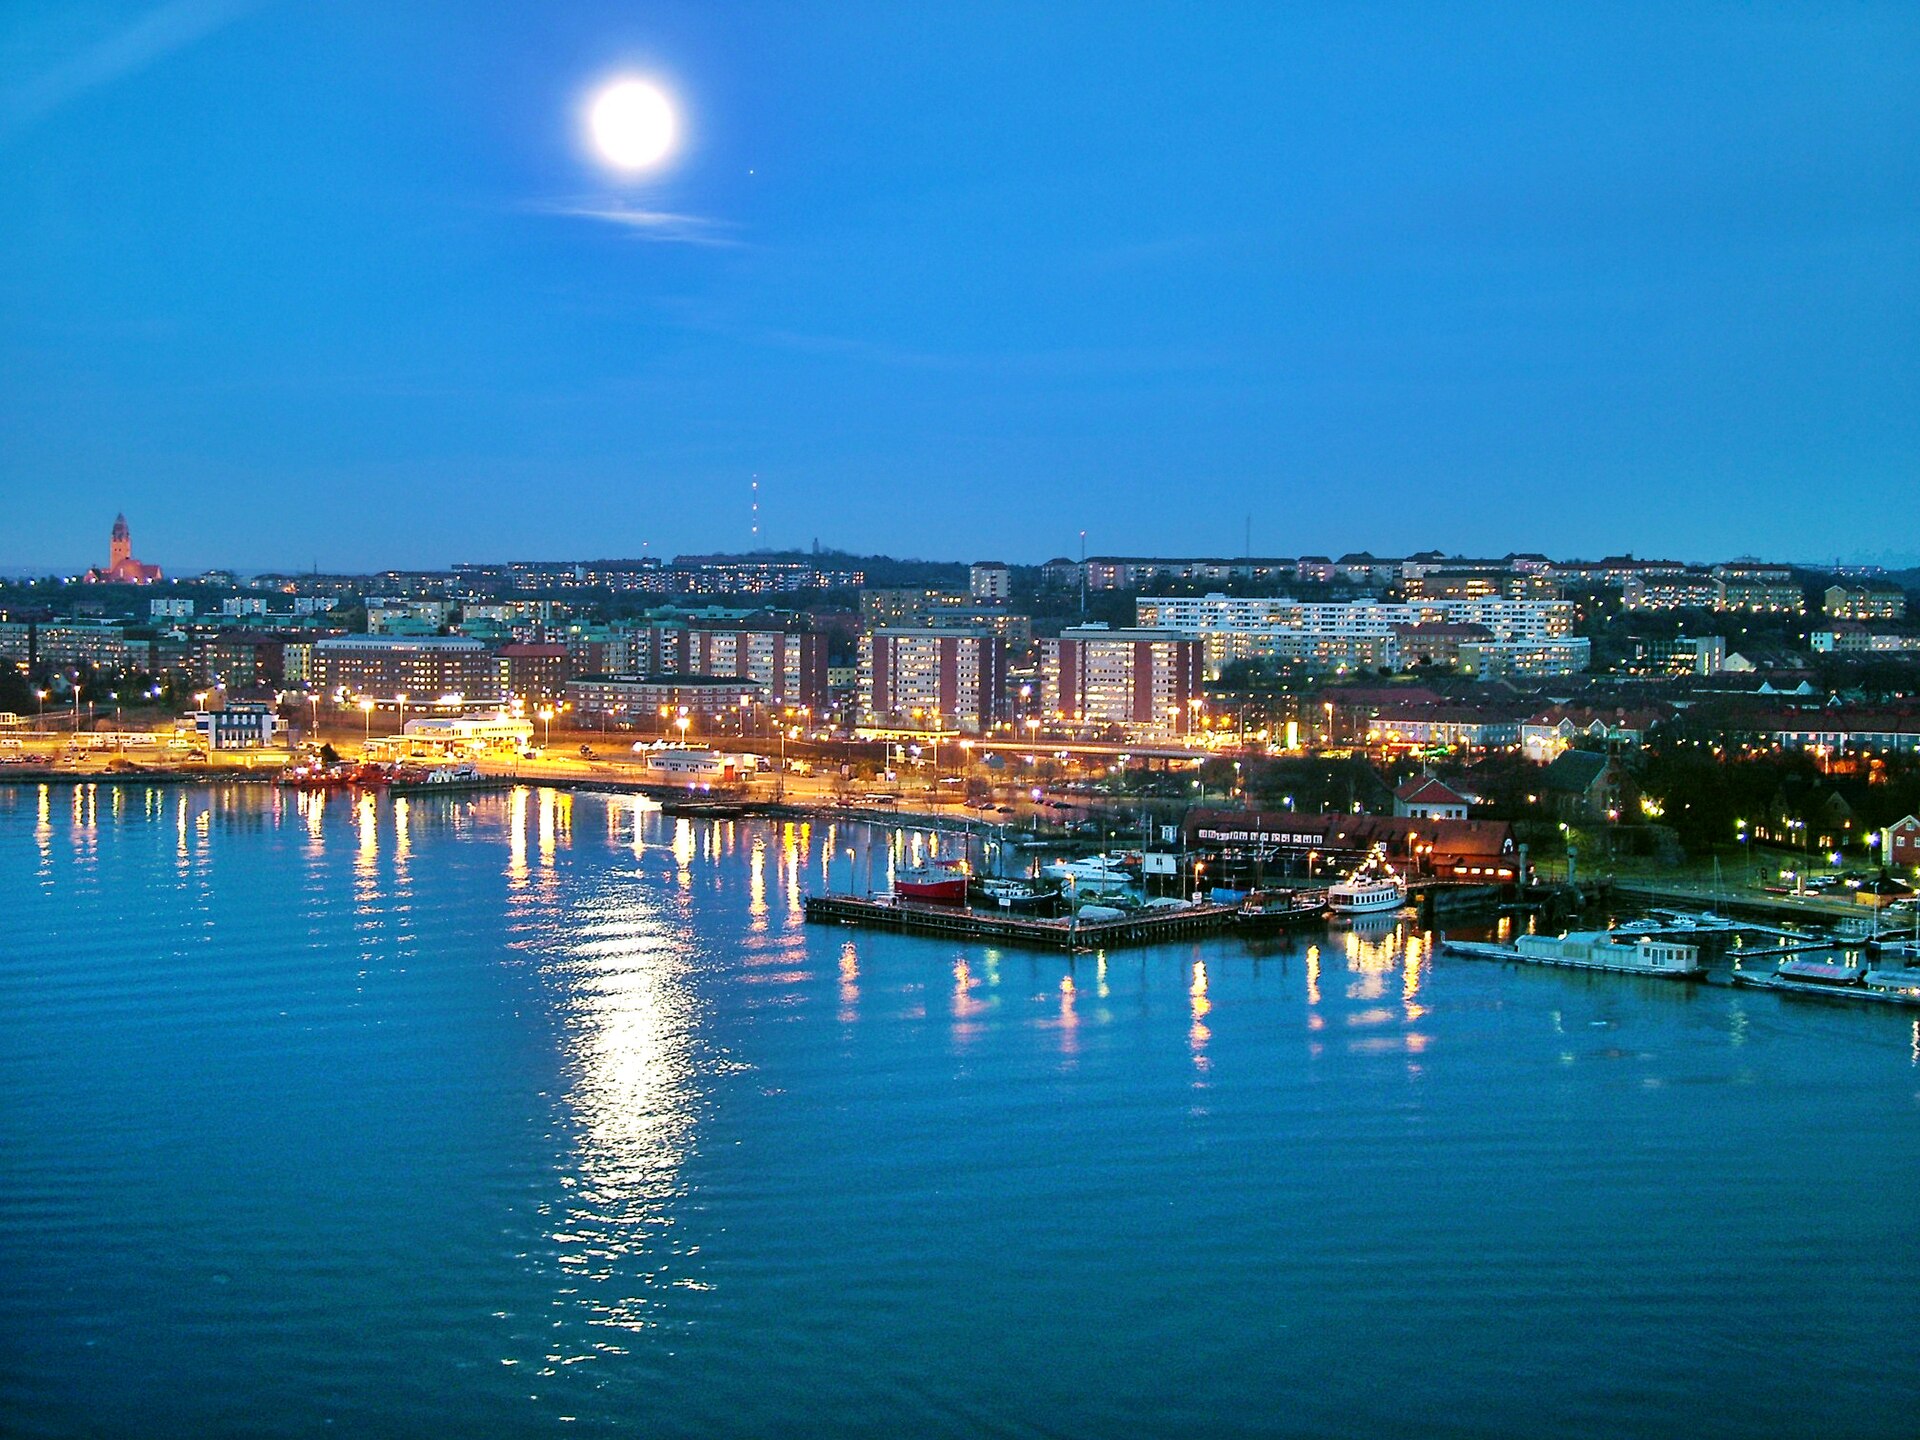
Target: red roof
(1425,790)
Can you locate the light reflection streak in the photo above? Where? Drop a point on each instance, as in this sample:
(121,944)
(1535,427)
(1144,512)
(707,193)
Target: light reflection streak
(966,1009)
(1199,1034)
(849,983)
(633,1097)
(792,866)
(757,884)
(1414,974)
(549,804)
(517,839)
(313,806)
(43,828)
(683,850)
(1069,1018)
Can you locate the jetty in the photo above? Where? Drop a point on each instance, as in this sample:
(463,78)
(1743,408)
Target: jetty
(1145,927)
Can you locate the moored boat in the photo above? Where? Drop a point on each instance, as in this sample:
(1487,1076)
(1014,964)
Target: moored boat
(1014,894)
(938,882)
(1591,950)
(1833,980)
(1272,908)
(1095,872)
(1373,887)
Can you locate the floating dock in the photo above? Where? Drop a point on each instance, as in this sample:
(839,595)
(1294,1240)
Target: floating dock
(1153,927)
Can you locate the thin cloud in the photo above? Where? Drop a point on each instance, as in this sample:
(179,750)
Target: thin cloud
(663,226)
(129,50)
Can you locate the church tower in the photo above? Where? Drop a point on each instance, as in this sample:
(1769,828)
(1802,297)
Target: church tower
(122,550)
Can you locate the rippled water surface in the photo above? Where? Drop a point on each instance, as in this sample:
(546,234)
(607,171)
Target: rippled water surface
(514,1114)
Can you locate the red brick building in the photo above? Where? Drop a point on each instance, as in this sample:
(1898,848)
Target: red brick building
(1469,850)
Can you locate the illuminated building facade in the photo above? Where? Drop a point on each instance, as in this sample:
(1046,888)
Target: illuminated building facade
(427,669)
(932,679)
(1147,681)
(121,567)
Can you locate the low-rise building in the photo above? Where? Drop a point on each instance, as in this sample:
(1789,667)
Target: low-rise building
(1425,798)
(1834,732)
(1500,659)
(1587,785)
(659,701)
(1689,590)
(1900,843)
(1864,602)
(1325,846)
(1545,736)
(238,726)
(1416,725)
(1759,590)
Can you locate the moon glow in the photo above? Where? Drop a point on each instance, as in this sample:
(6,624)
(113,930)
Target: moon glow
(632,125)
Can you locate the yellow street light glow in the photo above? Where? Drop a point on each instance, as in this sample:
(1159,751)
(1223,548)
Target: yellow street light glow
(632,125)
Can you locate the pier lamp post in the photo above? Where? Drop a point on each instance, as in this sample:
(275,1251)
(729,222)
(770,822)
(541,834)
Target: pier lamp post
(366,723)
(683,723)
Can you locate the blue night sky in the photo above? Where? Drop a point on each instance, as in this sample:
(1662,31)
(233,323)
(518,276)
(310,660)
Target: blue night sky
(342,284)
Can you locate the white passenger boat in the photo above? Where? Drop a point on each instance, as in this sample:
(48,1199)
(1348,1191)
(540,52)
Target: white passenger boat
(1591,950)
(1371,889)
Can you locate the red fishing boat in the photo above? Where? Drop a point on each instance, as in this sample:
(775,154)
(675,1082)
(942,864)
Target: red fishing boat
(938,882)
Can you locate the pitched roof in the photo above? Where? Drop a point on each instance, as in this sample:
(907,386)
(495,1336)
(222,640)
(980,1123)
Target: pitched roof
(1576,770)
(1425,790)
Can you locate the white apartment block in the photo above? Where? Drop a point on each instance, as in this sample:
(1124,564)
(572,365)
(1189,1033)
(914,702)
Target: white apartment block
(1356,634)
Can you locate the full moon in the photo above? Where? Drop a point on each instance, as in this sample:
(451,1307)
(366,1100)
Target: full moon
(632,125)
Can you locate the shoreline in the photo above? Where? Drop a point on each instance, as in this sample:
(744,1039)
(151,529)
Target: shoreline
(1637,889)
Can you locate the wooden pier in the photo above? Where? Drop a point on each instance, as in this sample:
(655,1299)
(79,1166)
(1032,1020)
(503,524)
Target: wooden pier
(1153,927)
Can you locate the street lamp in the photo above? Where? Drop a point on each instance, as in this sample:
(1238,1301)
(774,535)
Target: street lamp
(366,723)
(546,719)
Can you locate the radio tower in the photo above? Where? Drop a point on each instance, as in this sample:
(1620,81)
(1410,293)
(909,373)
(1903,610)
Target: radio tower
(754,516)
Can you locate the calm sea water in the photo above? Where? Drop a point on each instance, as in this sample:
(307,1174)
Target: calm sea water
(515,1114)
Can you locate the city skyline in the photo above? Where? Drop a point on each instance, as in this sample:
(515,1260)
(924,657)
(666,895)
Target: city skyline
(1537,282)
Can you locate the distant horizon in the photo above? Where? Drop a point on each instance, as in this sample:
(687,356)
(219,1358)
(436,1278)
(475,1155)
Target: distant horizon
(1892,561)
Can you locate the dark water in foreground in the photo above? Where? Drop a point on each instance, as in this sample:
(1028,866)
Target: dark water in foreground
(508,1115)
